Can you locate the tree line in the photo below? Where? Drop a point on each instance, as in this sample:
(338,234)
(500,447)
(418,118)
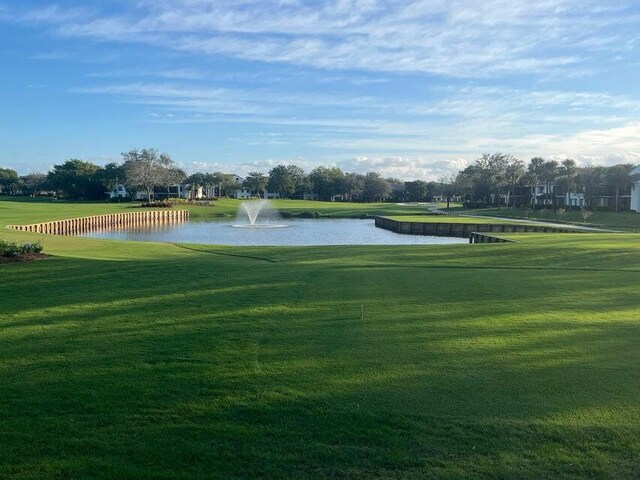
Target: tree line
(151,171)
(493,179)
(501,179)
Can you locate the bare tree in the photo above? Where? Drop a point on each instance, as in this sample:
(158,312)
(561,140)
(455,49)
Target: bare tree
(145,169)
(171,176)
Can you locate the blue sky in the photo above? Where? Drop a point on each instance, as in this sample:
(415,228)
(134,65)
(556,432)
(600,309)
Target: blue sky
(411,89)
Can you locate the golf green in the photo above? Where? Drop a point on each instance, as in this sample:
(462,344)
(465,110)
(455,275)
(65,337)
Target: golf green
(164,361)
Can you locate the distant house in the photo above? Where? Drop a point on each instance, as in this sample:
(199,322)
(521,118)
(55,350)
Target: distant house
(543,194)
(243,192)
(175,191)
(119,191)
(634,176)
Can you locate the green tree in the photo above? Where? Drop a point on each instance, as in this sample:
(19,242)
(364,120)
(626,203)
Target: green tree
(9,180)
(417,191)
(514,172)
(354,185)
(550,172)
(256,182)
(397,191)
(534,173)
(375,187)
(617,177)
(145,169)
(225,182)
(300,180)
(281,181)
(494,167)
(566,179)
(171,176)
(592,180)
(328,181)
(77,179)
(111,175)
(33,183)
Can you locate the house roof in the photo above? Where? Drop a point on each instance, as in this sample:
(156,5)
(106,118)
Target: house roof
(635,174)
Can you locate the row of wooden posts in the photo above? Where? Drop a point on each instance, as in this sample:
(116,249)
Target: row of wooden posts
(464,230)
(74,226)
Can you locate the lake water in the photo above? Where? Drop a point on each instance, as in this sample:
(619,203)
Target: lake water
(297,232)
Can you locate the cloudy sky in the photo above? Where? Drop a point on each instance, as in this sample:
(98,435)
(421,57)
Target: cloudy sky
(414,89)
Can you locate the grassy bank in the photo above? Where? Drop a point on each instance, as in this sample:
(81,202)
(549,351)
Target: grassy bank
(12,209)
(627,221)
(451,219)
(144,360)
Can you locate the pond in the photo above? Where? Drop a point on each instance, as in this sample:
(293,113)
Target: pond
(298,232)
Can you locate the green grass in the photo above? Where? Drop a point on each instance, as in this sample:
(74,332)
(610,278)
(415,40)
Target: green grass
(158,361)
(628,221)
(12,209)
(448,219)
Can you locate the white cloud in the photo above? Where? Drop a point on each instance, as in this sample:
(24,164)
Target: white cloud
(463,38)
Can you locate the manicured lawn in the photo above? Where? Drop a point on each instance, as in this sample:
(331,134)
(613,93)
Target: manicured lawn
(144,360)
(629,221)
(449,219)
(12,210)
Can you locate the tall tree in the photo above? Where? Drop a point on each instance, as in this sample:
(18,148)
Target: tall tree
(550,173)
(256,182)
(495,167)
(566,178)
(355,185)
(301,181)
(591,179)
(33,183)
(617,177)
(514,172)
(281,181)
(375,188)
(9,180)
(171,176)
(417,191)
(535,171)
(328,181)
(77,179)
(145,168)
(226,182)
(111,175)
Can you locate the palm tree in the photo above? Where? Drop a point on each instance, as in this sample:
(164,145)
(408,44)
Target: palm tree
(567,173)
(514,172)
(618,178)
(549,175)
(534,175)
(591,179)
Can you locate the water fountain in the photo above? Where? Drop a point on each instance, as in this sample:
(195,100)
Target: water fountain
(258,209)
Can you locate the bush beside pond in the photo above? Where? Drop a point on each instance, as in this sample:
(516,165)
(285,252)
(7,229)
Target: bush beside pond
(16,250)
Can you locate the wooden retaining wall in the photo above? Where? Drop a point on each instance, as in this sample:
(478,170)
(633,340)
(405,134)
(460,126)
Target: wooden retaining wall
(463,230)
(74,226)
(476,237)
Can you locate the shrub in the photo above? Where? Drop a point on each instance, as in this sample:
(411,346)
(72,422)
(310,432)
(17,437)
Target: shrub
(13,250)
(157,204)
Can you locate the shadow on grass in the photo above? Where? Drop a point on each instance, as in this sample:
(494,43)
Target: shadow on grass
(213,366)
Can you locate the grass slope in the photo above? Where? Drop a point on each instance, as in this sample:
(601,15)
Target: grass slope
(628,221)
(16,209)
(129,360)
(451,219)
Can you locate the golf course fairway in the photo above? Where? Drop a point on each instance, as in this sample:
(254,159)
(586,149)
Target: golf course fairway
(125,360)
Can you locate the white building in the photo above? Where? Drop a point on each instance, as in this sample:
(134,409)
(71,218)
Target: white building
(634,176)
(119,191)
(243,192)
(175,191)
(544,194)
